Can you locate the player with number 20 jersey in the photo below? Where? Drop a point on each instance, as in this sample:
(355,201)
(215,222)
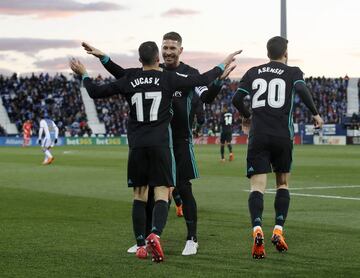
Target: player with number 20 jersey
(271,87)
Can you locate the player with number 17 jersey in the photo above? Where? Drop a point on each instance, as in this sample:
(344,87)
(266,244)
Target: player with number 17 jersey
(149,94)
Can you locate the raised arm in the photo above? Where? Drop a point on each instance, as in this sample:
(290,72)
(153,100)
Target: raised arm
(97,91)
(242,91)
(113,68)
(179,81)
(238,102)
(208,96)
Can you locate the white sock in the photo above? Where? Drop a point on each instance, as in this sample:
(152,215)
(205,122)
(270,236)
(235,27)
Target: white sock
(257,227)
(278,227)
(48,154)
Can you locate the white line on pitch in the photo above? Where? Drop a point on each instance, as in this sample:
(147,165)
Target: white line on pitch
(315,195)
(318,187)
(322,196)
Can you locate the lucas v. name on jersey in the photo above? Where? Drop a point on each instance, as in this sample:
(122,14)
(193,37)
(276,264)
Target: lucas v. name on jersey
(145,80)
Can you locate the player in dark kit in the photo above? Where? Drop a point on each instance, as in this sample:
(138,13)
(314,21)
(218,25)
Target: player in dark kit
(181,127)
(226,134)
(271,88)
(197,110)
(151,163)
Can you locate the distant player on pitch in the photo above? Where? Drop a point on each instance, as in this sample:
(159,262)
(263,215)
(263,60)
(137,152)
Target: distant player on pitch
(51,133)
(27,126)
(226,134)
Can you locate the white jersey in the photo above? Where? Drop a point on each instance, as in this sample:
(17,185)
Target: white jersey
(50,130)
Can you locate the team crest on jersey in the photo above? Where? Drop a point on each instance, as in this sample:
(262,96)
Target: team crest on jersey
(178,94)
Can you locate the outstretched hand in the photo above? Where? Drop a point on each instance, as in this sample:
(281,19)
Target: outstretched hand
(227,71)
(77,67)
(245,125)
(318,121)
(231,58)
(92,50)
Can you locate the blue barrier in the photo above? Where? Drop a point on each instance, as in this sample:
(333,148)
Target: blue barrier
(18,141)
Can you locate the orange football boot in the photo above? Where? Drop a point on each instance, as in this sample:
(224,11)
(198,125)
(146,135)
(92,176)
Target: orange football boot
(279,241)
(258,249)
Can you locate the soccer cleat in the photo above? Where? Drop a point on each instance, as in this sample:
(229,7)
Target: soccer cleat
(279,241)
(141,252)
(258,249)
(132,249)
(231,157)
(222,160)
(153,246)
(51,159)
(179,211)
(48,161)
(190,248)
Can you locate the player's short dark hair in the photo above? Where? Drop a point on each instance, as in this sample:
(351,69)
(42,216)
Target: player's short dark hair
(148,52)
(173,36)
(276,47)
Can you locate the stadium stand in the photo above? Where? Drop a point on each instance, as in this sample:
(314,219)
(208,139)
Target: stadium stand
(330,97)
(113,111)
(2,131)
(25,97)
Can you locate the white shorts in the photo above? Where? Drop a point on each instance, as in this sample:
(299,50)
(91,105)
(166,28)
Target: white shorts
(47,143)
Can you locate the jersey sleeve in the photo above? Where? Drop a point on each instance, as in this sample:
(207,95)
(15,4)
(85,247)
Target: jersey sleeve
(199,90)
(198,110)
(114,69)
(245,84)
(212,91)
(105,90)
(178,80)
(243,90)
(298,76)
(305,95)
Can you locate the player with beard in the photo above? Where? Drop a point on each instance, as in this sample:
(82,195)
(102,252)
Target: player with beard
(186,166)
(148,91)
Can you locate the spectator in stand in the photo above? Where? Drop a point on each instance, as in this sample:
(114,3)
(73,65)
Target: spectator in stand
(355,121)
(2,131)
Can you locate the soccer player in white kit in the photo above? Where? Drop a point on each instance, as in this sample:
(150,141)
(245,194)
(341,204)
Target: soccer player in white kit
(51,132)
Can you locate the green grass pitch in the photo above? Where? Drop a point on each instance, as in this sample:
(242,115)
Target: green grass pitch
(73,218)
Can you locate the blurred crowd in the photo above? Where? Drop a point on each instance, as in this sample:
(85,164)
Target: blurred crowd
(25,97)
(330,97)
(112,111)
